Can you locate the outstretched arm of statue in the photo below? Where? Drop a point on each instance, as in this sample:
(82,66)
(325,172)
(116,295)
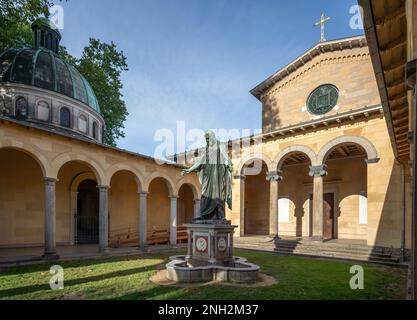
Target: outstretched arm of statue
(195,167)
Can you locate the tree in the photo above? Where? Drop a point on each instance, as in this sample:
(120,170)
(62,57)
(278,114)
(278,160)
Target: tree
(102,64)
(16,17)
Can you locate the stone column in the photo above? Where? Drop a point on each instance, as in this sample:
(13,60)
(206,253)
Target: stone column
(196,207)
(317,172)
(103,218)
(242,205)
(173,221)
(273,177)
(50,218)
(143,221)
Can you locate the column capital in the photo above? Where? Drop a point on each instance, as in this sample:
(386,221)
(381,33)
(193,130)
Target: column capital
(102,188)
(173,197)
(318,171)
(240,177)
(273,176)
(143,193)
(49,180)
(370,161)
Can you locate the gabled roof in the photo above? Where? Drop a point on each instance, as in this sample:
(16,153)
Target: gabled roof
(322,47)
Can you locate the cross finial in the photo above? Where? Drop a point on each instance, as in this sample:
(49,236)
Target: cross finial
(321,23)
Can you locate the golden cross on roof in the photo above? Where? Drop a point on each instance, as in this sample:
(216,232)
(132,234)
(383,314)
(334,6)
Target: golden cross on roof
(321,23)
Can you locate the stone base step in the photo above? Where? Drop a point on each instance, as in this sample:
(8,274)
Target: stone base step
(306,247)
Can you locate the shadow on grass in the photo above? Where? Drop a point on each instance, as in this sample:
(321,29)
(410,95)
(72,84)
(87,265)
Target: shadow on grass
(157,292)
(41,287)
(45,265)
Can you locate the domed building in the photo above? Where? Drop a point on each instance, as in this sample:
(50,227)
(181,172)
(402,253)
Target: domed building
(59,184)
(39,87)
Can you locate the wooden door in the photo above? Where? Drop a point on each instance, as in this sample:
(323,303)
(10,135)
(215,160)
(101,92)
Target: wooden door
(328,216)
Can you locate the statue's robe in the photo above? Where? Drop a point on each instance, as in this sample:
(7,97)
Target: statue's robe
(215,176)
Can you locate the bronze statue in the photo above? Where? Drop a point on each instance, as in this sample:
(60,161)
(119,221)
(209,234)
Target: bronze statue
(215,174)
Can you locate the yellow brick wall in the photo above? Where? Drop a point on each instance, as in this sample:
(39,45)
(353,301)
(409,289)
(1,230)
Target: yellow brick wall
(158,205)
(123,202)
(21,199)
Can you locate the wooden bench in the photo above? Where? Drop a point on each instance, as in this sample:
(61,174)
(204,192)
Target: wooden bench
(124,237)
(158,235)
(182,234)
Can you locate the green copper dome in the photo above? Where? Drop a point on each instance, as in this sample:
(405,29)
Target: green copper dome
(44,69)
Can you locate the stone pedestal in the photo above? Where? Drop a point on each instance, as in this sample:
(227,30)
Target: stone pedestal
(210,244)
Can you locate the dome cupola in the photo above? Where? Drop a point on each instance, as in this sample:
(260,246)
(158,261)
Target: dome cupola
(37,85)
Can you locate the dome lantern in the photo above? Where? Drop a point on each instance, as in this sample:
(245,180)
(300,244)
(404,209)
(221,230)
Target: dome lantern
(46,35)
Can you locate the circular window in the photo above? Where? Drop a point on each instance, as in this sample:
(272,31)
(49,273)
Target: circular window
(323,99)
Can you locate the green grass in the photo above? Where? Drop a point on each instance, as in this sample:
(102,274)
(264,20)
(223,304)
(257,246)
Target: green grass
(128,278)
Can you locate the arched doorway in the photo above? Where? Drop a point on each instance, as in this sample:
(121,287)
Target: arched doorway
(256,209)
(294,195)
(124,209)
(185,205)
(158,213)
(77,201)
(345,193)
(87,212)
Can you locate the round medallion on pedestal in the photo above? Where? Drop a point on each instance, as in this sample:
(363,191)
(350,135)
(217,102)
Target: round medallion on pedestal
(201,244)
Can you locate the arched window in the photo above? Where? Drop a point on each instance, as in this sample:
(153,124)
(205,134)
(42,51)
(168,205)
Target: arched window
(49,41)
(21,108)
(43,111)
(82,123)
(65,117)
(42,38)
(95,130)
(2,106)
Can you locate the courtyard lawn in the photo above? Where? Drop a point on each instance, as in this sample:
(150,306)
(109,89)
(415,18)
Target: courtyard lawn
(128,278)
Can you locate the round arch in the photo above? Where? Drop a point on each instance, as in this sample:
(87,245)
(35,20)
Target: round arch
(62,159)
(125,167)
(279,159)
(253,156)
(188,181)
(33,152)
(80,178)
(369,148)
(171,186)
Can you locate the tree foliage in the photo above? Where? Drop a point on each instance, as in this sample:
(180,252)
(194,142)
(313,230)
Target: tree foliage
(16,17)
(102,64)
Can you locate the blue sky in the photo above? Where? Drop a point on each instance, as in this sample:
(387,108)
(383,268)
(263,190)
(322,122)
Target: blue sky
(196,60)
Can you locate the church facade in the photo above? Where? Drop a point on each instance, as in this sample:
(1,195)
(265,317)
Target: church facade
(324,167)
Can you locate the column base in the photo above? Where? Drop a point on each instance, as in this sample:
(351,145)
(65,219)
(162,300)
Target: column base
(316,238)
(50,256)
(103,250)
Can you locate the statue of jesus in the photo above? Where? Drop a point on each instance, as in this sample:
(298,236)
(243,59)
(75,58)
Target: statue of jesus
(215,174)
